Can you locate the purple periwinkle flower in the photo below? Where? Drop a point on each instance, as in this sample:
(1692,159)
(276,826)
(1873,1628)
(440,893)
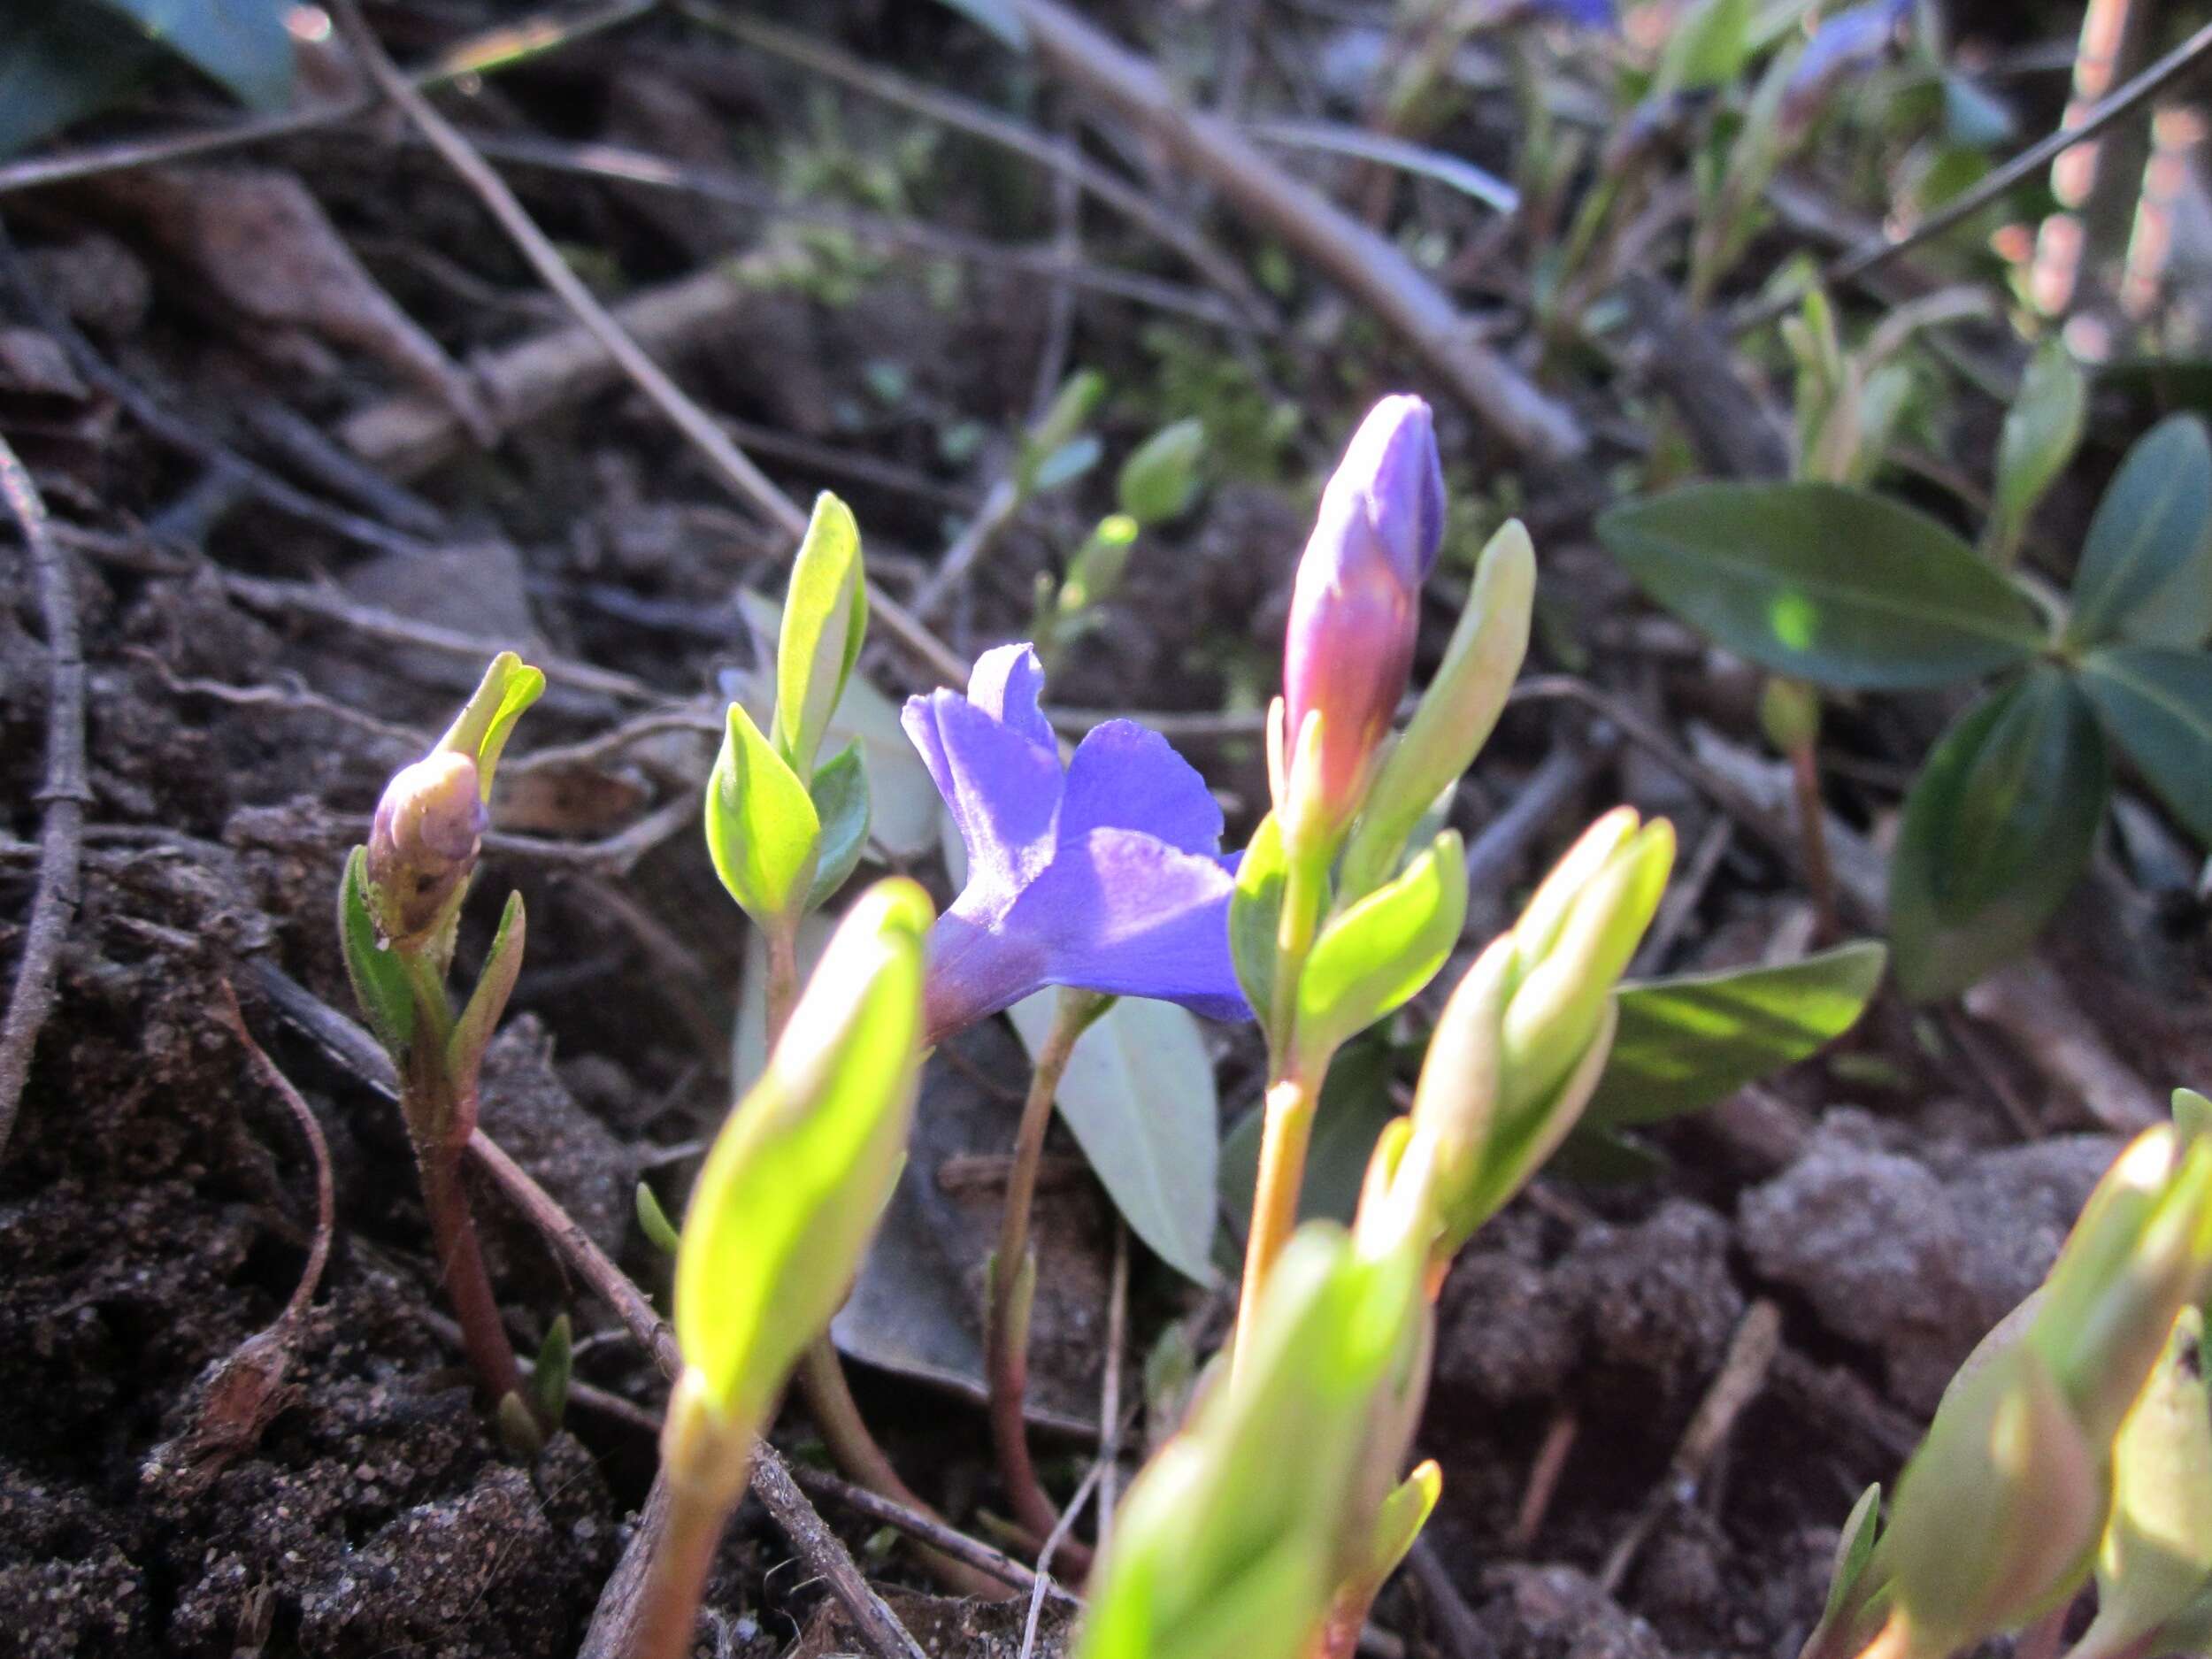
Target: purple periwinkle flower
(1354,611)
(1104,874)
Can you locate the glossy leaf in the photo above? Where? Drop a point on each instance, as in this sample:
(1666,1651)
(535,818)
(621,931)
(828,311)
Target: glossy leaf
(904,813)
(1829,584)
(825,619)
(1996,831)
(762,829)
(1139,1095)
(2042,430)
(379,979)
(1372,957)
(796,1180)
(241,43)
(2157,703)
(2146,570)
(473,1032)
(839,794)
(1684,1043)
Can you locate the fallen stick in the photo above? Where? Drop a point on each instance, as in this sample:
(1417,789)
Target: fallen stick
(62,795)
(1367,265)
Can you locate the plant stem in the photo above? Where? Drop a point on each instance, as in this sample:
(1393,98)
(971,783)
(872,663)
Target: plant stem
(783,980)
(461,1260)
(441,1113)
(1285,1132)
(677,1583)
(1813,833)
(1006,1314)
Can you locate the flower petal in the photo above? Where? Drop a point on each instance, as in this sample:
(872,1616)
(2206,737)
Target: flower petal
(977,967)
(1125,912)
(1005,683)
(1002,789)
(1125,776)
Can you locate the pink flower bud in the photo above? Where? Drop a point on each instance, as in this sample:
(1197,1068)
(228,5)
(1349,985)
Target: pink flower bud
(1353,613)
(424,841)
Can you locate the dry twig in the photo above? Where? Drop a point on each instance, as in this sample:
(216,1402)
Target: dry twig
(1367,265)
(63,796)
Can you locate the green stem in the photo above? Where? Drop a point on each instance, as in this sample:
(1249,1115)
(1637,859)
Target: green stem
(1285,1133)
(1006,1315)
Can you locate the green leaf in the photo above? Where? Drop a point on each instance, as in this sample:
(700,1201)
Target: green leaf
(1854,1547)
(796,1182)
(1684,1043)
(839,794)
(549,1378)
(1705,47)
(1375,956)
(2146,570)
(379,979)
(904,813)
(487,719)
(825,619)
(1160,479)
(1456,712)
(2192,1112)
(1063,466)
(59,62)
(1996,831)
(241,43)
(762,829)
(2042,431)
(2158,703)
(1599,1157)
(1825,583)
(1255,914)
(653,1221)
(1139,1095)
(473,1032)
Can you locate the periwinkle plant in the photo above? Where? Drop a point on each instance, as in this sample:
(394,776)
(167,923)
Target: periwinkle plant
(398,912)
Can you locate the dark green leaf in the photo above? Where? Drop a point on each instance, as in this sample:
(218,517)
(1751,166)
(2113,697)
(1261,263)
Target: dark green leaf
(61,62)
(1825,583)
(1599,1157)
(379,979)
(241,43)
(1996,831)
(2158,703)
(2147,566)
(1685,1043)
(839,794)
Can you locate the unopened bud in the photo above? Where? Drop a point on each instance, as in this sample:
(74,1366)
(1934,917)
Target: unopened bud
(1349,651)
(1999,1511)
(1524,1039)
(423,844)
